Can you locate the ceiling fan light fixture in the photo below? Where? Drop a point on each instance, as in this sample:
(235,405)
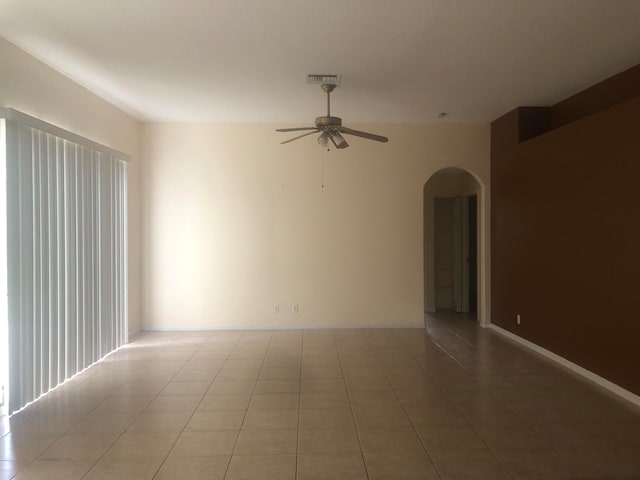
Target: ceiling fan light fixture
(338,140)
(323,139)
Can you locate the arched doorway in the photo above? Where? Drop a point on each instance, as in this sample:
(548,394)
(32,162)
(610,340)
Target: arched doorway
(453,199)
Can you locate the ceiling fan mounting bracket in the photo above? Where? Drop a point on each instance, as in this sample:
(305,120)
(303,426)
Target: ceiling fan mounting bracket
(328,87)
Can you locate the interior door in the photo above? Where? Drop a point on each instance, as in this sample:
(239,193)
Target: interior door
(461,254)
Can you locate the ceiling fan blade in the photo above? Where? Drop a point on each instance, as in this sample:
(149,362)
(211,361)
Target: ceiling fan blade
(295,129)
(357,133)
(337,139)
(315,130)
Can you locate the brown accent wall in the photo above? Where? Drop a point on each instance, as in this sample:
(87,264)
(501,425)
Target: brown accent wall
(566,232)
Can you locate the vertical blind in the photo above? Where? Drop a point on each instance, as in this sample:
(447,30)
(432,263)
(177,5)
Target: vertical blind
(67,255)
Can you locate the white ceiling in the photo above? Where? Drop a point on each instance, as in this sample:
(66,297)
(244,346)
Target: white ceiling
(402,61)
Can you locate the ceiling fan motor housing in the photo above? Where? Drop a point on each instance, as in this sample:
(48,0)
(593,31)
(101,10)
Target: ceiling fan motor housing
(322,122)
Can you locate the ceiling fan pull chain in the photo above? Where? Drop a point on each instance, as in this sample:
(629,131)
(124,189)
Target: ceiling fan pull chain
(322,162)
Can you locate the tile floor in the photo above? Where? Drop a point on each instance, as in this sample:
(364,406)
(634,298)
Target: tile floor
(450,402)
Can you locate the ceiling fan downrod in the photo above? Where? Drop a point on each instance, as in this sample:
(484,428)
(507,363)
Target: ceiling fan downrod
(328,87)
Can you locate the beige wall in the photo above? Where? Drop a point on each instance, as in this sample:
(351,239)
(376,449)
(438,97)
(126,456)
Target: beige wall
(32,87)
(235,223)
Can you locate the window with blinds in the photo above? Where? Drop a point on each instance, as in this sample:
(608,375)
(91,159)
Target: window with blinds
(66,267)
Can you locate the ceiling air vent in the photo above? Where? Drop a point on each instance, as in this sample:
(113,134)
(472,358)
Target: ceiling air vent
(322,78)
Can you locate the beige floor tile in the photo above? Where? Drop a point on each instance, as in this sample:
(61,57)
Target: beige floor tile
(247,353)
(262,467)
(160,422)
(350,371)
(228,387)
(270,419)
(410,382)
(204,444)
(324,400)
(186,388)
(610,463)
(362,360)
(430,416)
(326,418)
(571,436)
(328,440)
(152,388)
(380,417)
(414,371)
(279,373)
(214,421)
(278,386)
(395,357)
(173,404)
(282,363)
(9,469)
(124,469)
(194,468)
(230,373)
(468,465)
(389,439)
(271,401)
(510,436)
(266,442)
(283,352)
(243,363)
(142,444)
(371,400)
(432,398)
(132,404)
(208,353)
(215,403)
(449,437)
(80,446)
(331,361)
(407,465)
(322,385)
(195,375)
(104,423)
(24,448)
(176,355)
(55,469)
(321,372)
(331,466)
(537,464)
(367,384)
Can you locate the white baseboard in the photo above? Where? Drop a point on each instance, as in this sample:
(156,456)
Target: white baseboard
(589,375)
(306,326)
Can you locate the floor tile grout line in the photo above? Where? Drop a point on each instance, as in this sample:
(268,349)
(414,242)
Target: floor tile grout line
(413,427)
(131,423)
(246,411)
(190,416)
(470,423)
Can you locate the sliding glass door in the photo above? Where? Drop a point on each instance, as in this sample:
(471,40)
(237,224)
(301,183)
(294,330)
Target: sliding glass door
(66,270)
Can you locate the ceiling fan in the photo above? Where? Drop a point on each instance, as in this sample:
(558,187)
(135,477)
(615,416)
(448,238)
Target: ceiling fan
(331,127)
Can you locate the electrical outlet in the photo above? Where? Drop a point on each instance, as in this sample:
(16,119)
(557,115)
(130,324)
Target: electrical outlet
(295,308)
(276,309)
(518,319)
